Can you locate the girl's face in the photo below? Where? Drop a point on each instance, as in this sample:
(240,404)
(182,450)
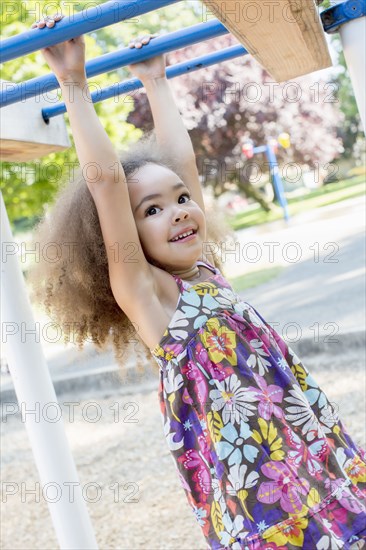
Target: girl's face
(160,218)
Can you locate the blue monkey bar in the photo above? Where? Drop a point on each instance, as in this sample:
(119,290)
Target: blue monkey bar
(172,41)
(82,22)
(171,72)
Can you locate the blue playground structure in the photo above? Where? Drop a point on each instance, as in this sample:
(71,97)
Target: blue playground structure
(270,151)
(110,61)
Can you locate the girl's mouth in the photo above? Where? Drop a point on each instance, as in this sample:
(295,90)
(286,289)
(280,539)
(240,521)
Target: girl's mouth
(185,239)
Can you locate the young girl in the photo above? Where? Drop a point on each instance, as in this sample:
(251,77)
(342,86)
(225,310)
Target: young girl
(262,457)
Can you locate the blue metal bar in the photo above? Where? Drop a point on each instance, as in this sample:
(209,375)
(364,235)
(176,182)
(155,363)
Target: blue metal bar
(76,24)
(260,149)
(338,15)
(172,41)
(276,180)
(171,72)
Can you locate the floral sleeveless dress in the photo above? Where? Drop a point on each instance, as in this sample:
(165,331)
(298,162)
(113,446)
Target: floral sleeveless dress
(264,460)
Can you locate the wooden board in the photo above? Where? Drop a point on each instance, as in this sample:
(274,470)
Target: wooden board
(25,151)
(285,36)
(24,135)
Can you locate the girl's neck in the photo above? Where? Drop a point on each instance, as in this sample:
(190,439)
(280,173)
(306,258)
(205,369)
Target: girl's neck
(188,274)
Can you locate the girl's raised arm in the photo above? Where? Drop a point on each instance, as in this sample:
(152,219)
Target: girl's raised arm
(103,174)
(171,133)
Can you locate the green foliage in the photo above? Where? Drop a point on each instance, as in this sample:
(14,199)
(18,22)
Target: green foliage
(351,128)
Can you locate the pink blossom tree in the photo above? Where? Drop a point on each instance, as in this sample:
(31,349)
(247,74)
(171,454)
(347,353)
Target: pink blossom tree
(236,100)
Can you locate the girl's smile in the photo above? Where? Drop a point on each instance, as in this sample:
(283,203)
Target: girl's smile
(187,235)
(185,239)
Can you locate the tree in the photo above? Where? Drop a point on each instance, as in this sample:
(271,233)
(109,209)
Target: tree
(226,103)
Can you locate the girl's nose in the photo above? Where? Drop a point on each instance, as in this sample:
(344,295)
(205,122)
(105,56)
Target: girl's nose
(182,215)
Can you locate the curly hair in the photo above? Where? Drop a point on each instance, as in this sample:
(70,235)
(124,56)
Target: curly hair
(73,284)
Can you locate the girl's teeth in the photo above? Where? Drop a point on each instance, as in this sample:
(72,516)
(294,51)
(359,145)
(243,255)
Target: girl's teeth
(183,235)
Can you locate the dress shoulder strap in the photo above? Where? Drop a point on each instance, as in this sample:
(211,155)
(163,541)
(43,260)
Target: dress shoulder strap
(209,266)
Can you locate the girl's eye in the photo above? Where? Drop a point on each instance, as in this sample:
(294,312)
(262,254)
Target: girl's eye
(187,195)
(154,207)
(150,208)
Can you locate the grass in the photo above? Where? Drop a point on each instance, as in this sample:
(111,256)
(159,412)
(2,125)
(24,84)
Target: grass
(254,278)
(325,195)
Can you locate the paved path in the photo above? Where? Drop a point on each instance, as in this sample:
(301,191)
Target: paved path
(322,289)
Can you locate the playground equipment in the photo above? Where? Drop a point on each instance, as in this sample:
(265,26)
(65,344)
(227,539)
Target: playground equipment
(26,142)
(24,134)
(286,37)
(120,58)
(171,72)
(270,150)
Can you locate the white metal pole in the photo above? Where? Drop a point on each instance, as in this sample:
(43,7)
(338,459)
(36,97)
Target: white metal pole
(353,38)
(34,390)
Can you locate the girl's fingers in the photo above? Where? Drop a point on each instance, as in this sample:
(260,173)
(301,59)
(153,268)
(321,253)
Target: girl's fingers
(48,21)
(139,42)
(148,37)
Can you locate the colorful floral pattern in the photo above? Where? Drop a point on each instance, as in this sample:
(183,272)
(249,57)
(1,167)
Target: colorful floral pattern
(264,460)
